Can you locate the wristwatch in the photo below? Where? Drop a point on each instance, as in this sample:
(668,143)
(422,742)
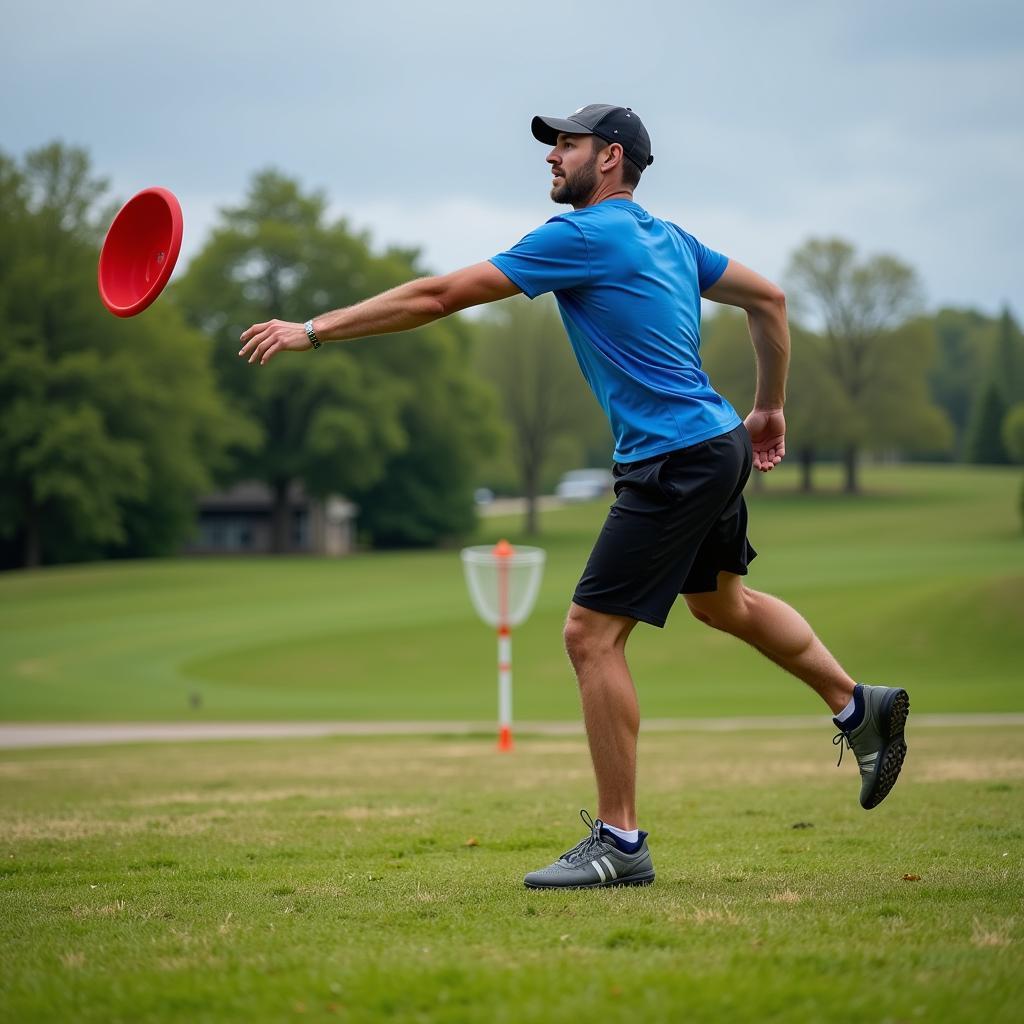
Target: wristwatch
(311,334)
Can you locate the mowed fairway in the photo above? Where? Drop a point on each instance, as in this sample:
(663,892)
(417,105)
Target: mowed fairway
(379,879)
(371,880)
(918,582)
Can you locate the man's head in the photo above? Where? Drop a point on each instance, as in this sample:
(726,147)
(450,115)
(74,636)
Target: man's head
(597,150)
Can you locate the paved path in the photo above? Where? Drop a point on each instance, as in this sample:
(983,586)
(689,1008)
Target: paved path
(517,506)
(82,734)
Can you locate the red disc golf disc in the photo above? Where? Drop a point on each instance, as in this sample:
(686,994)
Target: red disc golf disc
(140,251)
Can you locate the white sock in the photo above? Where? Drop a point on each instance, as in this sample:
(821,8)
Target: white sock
(847,711)
(626,835)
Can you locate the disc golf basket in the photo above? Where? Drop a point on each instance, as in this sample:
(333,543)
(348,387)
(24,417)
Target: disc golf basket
(503,582)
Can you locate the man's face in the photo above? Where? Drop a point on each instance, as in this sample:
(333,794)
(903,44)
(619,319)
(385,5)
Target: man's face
(574,169)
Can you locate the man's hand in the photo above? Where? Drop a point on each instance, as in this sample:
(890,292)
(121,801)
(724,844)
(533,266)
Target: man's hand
(263,341)
(767,429)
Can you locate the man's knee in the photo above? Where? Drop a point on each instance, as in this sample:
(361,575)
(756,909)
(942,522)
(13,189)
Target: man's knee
(725,609)
(591,636)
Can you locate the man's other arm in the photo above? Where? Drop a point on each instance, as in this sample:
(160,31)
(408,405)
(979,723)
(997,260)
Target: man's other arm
(765,306)
(404,308)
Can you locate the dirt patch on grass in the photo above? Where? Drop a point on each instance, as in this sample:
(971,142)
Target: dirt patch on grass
(236,796)
(977,769)
(707,915)
(986,936)
(71,827)
(65,828)
(371,813)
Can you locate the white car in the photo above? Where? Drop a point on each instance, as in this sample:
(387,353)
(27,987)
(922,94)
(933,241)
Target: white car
(584,484)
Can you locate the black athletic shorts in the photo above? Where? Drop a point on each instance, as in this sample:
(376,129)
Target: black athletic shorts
(678,520)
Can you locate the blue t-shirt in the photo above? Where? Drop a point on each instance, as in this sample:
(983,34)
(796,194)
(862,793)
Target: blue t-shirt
(628,287)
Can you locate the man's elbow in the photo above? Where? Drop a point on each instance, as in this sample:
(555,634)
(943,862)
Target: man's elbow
(775,300)
(770,301)
(431,298)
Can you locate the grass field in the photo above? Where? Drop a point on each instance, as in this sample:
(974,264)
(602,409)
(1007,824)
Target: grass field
(919,581)
(380,879)
(369,880)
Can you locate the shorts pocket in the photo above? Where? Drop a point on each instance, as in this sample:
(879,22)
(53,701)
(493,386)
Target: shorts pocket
(643,478)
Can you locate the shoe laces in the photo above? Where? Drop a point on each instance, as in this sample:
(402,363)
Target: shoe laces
(586,846)
(837,741)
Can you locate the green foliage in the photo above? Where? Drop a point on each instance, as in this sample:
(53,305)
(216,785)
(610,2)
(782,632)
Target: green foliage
(366,419)
(727,357)
(1013,432)
(985,435)
(821,417)
(965,340)
(877,358)
(815,403)
(1008,359)
(976,353)
(553,421)
(1013,440)
(426,493)
(108,428)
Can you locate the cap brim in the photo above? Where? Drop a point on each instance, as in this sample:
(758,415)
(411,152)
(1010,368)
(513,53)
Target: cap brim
(547,129)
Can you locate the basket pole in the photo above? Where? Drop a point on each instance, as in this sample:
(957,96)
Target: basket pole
(503,552)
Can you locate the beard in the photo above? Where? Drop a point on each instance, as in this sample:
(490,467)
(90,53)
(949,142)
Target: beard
(578,186)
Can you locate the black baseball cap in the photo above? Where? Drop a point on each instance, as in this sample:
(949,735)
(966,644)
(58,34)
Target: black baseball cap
(613,124)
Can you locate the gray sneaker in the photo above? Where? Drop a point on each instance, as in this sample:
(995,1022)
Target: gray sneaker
(878,742)
(595,863)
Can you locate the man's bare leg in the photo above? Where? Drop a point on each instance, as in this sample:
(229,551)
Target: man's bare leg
(778,631)
(596,644)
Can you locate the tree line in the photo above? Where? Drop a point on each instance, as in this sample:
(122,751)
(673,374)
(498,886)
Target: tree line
(110,429)
(872,371)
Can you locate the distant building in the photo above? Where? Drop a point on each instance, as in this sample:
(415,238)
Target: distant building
(238,522)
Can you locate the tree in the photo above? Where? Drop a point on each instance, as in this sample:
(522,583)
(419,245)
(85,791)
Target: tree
(546,403)
(108,428)
(814,401)
(1008,359)
(350,418)
(1003,389)
(426,493)
(1013,439)
(985,443)
(963,339)
(877,359)
(1013,432)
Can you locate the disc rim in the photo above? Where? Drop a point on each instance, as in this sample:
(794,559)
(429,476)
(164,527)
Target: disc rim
(166,269)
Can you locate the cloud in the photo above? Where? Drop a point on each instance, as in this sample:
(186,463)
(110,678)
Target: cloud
(898,126)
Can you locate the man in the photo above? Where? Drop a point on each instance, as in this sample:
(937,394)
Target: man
(629,286)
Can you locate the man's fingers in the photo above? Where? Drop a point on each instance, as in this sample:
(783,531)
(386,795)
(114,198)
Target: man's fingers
(254,339)
(766,459)
(260,355)
(259,345)
(255,329)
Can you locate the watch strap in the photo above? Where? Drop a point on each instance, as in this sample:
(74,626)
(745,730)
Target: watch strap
(311,334)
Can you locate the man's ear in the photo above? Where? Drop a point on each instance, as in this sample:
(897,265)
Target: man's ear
(612,156)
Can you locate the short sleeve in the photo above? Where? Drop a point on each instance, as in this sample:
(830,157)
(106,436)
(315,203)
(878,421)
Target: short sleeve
(710,264)
(553,257)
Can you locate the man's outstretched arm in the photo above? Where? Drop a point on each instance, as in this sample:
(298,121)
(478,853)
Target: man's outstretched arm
(765,305)
(404,308)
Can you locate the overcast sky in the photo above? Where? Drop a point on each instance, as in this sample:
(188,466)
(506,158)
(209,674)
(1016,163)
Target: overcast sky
(896,125)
